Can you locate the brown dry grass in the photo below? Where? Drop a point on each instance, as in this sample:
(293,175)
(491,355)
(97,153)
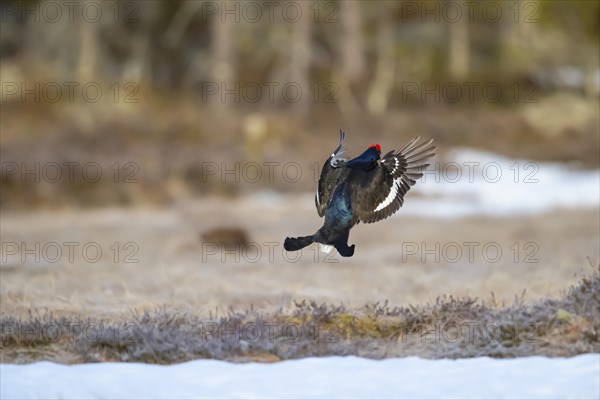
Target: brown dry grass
(449,328)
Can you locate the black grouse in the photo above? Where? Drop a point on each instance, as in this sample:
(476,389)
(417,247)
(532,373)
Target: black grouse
(367,188)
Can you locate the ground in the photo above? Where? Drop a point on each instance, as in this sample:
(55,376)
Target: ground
(157,271)
(162,258)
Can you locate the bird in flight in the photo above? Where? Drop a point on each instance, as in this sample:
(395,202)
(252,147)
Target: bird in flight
(367,188)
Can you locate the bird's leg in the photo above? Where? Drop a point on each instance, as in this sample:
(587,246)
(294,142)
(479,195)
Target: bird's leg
(341,245)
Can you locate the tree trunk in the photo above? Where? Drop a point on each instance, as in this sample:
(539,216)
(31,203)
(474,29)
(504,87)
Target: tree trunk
(459,46)
(381,89)
(352,66)
(222,65)
(300,60)
(88,50)
(138,67)
(353,46)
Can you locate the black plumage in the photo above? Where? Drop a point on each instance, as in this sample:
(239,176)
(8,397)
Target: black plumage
(367,188)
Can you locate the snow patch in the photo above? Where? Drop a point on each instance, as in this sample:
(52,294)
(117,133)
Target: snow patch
(474,182)
(328,377)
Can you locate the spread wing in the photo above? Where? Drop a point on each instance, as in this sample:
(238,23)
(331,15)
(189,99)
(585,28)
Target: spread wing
(332,174)
(383,191)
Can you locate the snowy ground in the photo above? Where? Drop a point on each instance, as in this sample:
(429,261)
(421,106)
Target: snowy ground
(330,377)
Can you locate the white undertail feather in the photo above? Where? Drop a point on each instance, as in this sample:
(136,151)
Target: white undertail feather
(325,248)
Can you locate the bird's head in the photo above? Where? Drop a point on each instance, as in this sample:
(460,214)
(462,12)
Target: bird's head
(372,153)
(368,157)
(377,149)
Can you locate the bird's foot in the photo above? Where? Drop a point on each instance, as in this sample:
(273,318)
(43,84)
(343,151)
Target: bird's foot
(346,251)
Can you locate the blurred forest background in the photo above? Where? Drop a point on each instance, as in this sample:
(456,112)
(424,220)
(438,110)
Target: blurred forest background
(169,85)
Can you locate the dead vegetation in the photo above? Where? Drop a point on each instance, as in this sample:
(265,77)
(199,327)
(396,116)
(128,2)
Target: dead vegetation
(449,328)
